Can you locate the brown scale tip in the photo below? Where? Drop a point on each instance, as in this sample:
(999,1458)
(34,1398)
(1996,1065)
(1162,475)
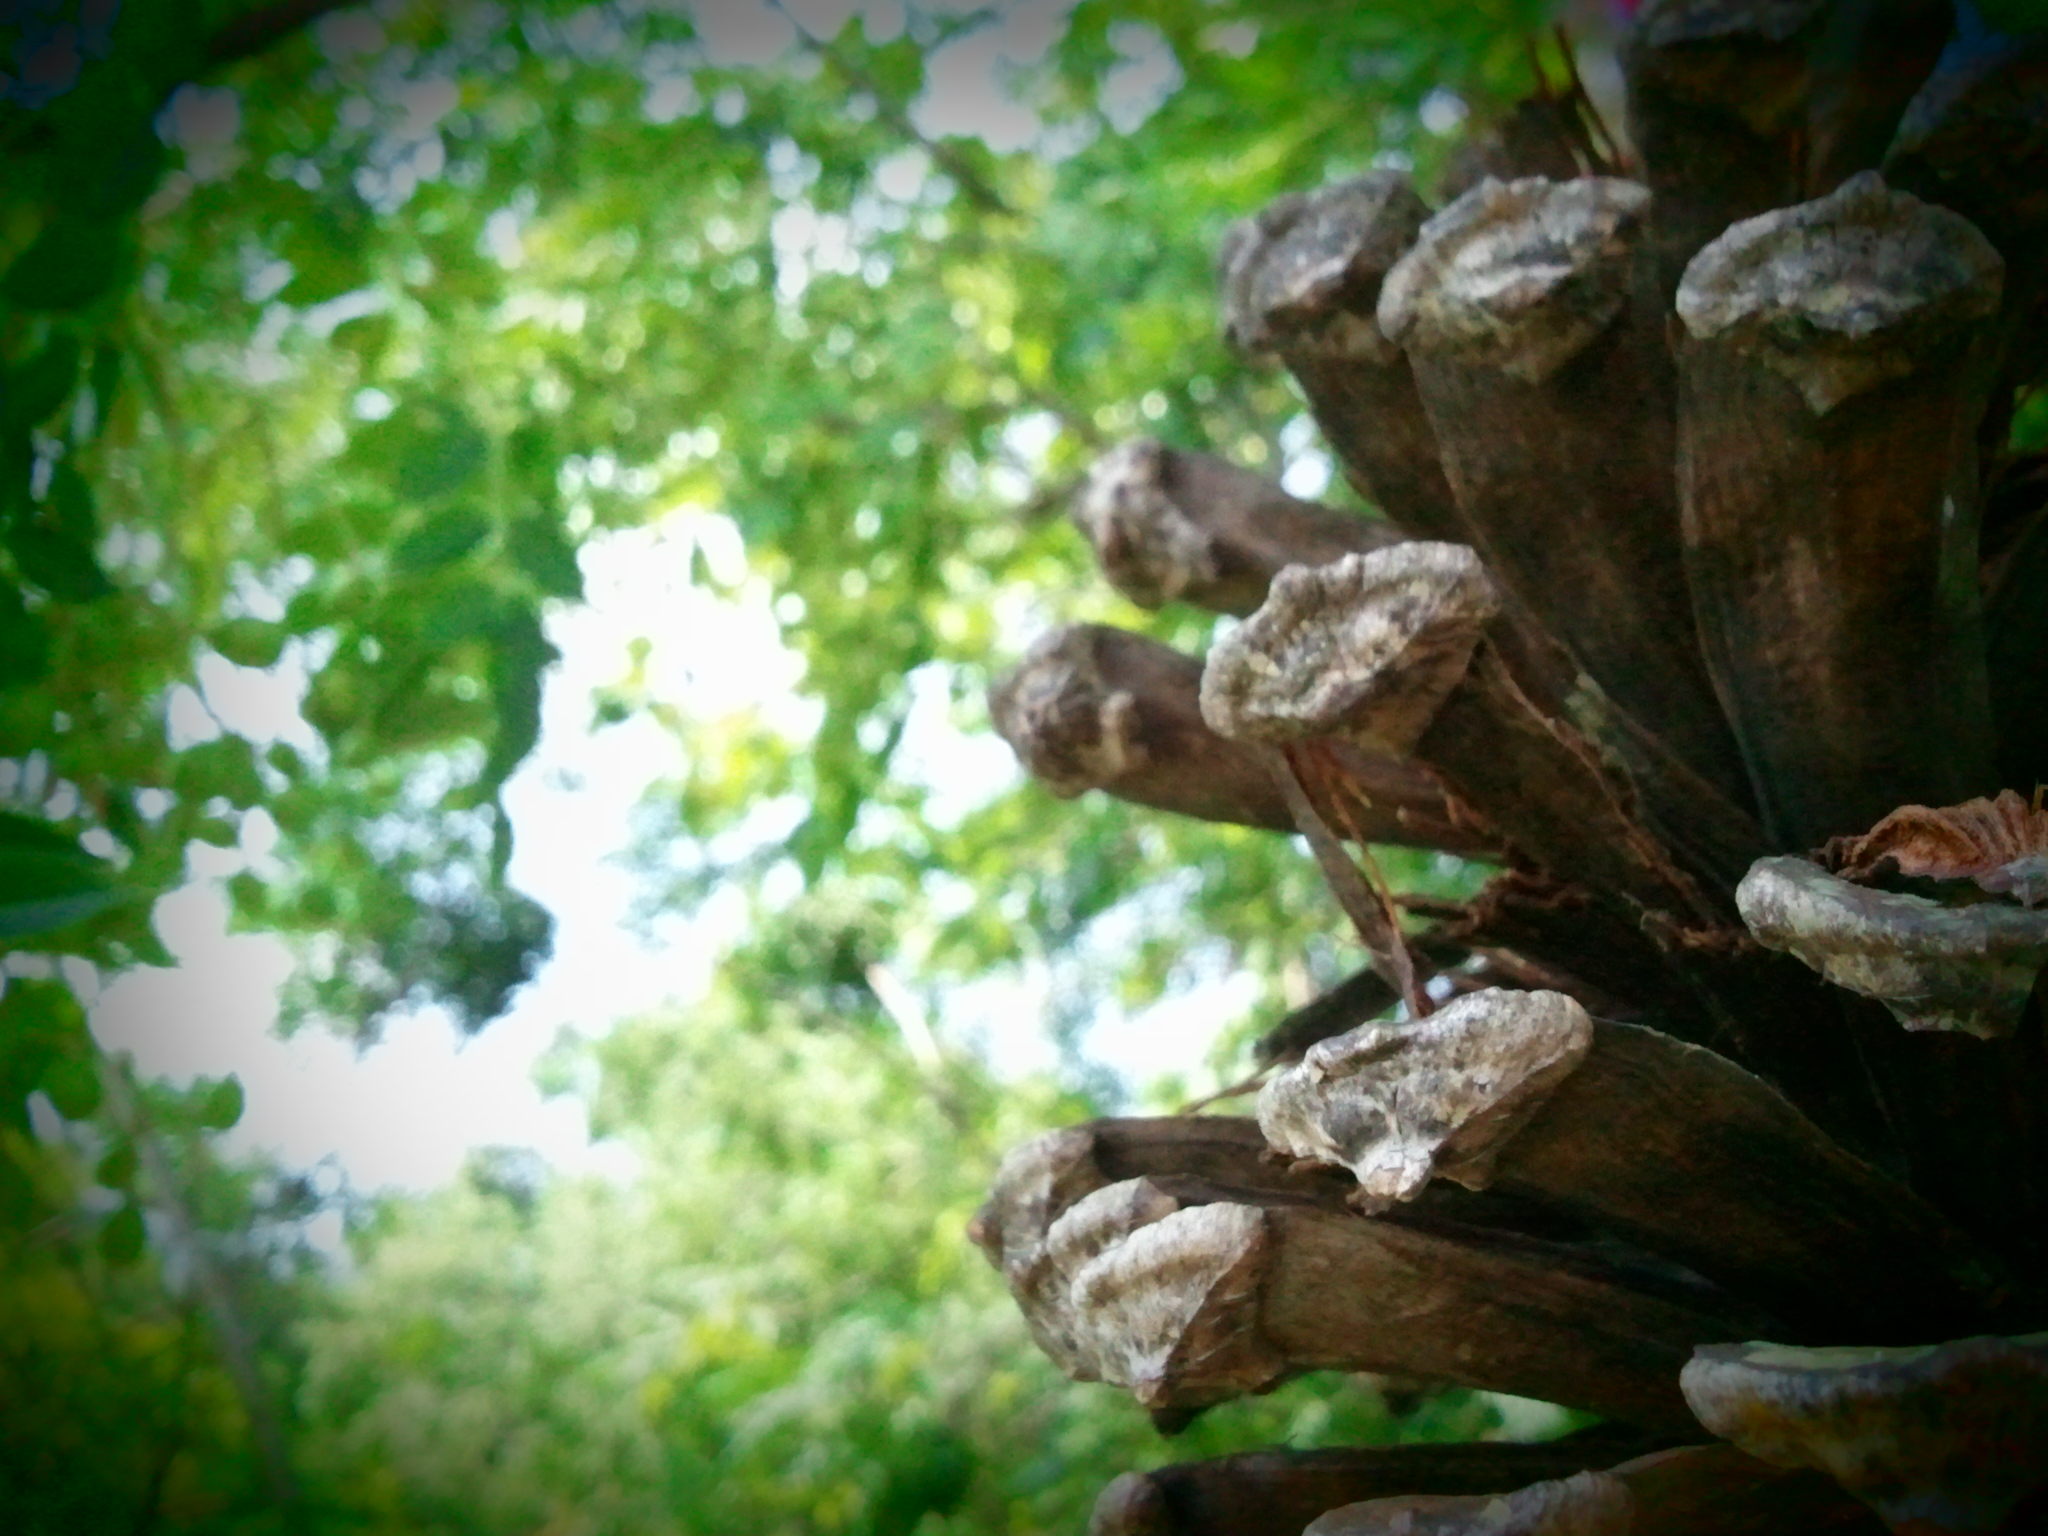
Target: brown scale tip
(1968,969)
(1367,646)
(1304,273)
(1844,293)
(1936,1438)
(1518,275)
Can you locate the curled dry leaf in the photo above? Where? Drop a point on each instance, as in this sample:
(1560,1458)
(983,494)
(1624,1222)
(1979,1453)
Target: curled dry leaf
(2002,844)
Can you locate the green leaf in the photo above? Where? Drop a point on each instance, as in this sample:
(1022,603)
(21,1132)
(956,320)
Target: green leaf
(115,162)
(54,543)
(123,1237)
(248,897)
(40,385)
(20,918)
(542,551)
(225,766)
(73,1086)
(69,508)
(24,641)
(70,264)
(109,362)
(366,336)
(426,449)
(327,253)
(521,655)
(40,1023)
(63,567)
(461,611)
(221,1106)
(216,831)
(31,834)
(116,1170)
(47,881)
(442,539)
(249,642)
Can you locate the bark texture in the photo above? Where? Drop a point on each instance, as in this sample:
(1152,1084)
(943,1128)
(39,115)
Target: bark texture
(1946,1439)
(1092,707)
(1832,376)
(1277,1493)
(1168,525)
(1301,282)
(1552,405)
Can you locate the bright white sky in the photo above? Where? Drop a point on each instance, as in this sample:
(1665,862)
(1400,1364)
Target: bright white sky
(405,1112)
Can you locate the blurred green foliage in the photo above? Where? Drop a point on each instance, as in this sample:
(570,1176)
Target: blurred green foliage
(323,352)
(778,1327)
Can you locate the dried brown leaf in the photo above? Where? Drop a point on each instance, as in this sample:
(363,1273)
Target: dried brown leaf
(2001,844)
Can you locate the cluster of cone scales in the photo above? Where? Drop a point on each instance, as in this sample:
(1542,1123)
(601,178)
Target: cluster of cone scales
(1710,601)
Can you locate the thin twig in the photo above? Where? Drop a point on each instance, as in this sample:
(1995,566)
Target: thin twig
(1236,1090)
(1343,793)
(947,157)
(1612,157)
(1370,911)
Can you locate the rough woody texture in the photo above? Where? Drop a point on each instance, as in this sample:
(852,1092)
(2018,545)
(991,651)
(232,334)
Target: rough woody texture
(1190,1287)
(1665,1144)
(1968,968)
(2001,845)
(1975,139)
(1348,1004)
(1717,1490)
(1518,276)
(1832,373)
(1584,1504)
(2015,639)
(1044,1176)
(1092,707)
(1396,647)
(1170,525)
(1351,1293)
(1541,135)
(1844,293)
(1940,1438)
(1163,1297)
(1737,106)
(1722,548)
(1551,400)
(1400,1103)
(1301,281)
(1304,274)
(1276,1492)
(1366,647)
(1688,1490)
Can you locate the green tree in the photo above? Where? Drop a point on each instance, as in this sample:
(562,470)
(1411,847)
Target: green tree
(325,348)
(778,1326)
